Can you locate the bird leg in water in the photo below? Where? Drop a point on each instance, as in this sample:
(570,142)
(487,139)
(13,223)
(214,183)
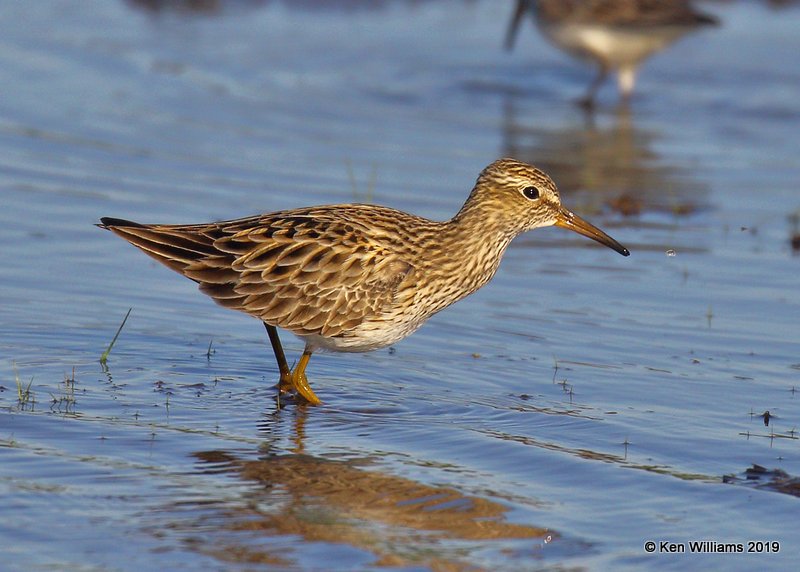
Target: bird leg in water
(300,381)
(289,380)
(587,101)
(285,383)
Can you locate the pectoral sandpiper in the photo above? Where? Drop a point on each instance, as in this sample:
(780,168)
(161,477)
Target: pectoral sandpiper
(356,277)
(617,35)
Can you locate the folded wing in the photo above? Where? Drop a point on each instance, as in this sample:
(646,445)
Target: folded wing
(306,270)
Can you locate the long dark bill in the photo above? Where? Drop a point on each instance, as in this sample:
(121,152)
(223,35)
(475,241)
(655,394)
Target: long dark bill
(568,219)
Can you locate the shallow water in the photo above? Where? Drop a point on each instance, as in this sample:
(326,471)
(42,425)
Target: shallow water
(580,405)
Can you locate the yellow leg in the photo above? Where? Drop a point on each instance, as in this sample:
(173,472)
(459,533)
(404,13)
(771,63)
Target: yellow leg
(289,380)
(300,381)
(285,384)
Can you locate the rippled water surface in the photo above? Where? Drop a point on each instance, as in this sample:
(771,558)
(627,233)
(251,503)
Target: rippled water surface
(579,406)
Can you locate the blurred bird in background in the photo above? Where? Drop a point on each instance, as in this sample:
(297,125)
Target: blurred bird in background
(616,35)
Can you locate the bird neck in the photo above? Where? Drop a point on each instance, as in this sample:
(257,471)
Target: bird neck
(480,238)
(481,223)
(462,255)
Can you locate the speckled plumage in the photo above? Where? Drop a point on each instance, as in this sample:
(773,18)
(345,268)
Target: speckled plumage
(356,277)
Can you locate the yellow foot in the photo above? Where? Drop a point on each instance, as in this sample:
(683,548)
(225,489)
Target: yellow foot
(297,380)
(300,382)
(285,384)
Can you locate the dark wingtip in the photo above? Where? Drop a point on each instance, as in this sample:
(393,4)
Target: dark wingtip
(108,222)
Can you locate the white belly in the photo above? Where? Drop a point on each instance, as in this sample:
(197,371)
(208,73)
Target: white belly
(362,339)
(616,46)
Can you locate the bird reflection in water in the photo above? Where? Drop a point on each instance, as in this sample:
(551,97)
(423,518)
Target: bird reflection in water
(300,499)
(609,162)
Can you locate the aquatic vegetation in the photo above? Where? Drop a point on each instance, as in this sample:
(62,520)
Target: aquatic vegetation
(104,357)
(25,396)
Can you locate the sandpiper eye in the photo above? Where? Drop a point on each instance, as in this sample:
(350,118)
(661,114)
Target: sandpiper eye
(531,193)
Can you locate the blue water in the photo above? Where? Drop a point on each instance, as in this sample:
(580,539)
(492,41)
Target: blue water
(580,405)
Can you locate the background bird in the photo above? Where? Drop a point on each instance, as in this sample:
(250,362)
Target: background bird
(616,35)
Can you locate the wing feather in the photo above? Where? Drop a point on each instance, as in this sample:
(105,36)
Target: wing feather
(307,270)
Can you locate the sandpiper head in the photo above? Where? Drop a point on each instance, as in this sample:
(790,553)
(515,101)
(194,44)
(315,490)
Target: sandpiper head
(526,198)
